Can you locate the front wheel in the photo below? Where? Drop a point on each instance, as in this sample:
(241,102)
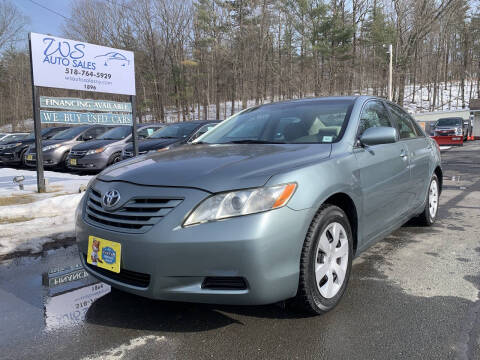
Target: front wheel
(326,261)
(429,214)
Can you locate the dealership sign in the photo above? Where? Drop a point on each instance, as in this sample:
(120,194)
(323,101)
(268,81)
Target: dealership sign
(76,65)
(84,104)
(71,117)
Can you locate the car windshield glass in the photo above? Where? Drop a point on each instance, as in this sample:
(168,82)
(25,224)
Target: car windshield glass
(180,130)
(68,134)
(118,133)
(316,121)
(12,137)
(449,122)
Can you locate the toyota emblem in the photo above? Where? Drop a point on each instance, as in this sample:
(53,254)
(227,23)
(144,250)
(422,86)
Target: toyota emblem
(111,198)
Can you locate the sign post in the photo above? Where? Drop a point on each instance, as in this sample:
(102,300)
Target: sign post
(68,64)
(37,126)
(134,125)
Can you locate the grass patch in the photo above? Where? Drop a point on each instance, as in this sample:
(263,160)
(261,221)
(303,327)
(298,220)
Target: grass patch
(15,220)
(16,200)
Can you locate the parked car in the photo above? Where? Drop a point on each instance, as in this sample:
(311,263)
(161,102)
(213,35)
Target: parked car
(55,151)
(171,136)
(106,149)
(452,126)
(13,153)
(6,138)
(272,204)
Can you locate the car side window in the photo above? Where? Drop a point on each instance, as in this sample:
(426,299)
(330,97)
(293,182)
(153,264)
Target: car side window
(93,133)
(146,131)
(202,131)
(404,123)
(373,114)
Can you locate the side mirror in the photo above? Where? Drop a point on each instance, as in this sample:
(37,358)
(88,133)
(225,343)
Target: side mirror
(86,138)
(378,135)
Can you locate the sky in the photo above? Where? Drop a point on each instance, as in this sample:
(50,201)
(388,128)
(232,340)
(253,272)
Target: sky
(42,20)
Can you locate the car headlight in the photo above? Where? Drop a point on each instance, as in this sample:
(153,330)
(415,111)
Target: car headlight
(11,146)
(51,147)
(458,131)
(95,151)
(242,202)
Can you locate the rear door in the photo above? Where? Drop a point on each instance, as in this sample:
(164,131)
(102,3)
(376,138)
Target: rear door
(384,174)
(419,150)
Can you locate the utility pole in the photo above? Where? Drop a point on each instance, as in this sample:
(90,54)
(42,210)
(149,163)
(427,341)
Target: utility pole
(390,70)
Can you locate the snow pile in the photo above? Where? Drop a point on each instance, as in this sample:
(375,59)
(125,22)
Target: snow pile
(28,220)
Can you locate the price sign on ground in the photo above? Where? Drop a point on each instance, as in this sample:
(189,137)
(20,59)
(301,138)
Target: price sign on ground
(76,65)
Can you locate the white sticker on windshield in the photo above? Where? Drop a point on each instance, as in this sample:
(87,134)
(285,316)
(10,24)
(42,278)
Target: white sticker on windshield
(327,139)
(149,132)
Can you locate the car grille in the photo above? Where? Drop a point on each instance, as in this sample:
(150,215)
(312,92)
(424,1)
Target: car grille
(78,153)
(124,276)
(137,215)
(445,132)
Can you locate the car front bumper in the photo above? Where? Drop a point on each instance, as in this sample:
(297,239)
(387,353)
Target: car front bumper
(88,162)
(50,158)
(263,249)
(10,156)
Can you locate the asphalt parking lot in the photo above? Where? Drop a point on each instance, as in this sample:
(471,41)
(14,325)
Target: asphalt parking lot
(413,295)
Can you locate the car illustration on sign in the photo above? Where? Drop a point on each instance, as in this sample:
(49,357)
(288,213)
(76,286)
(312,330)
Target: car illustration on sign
(113,58)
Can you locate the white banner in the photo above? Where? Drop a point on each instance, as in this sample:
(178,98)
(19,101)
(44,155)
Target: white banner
(69,64)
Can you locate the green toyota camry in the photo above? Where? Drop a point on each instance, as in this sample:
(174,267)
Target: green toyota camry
(270,205)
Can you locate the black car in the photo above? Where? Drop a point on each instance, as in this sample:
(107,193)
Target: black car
(172,135)
(12,153)
(107,148)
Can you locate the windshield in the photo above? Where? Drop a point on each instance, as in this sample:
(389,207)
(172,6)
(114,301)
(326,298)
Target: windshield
(69,133)
(117,133)
(12,137)
(449,122)
(179,130)
(305,122)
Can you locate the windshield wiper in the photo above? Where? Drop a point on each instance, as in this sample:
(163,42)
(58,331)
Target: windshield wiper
(166,137)
(252,141)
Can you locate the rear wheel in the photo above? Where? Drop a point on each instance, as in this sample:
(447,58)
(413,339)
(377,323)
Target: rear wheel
(325,262)
(429,214)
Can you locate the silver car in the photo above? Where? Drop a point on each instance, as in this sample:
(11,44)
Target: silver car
(272,204)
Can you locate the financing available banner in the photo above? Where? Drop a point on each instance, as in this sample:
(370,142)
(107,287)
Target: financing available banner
(84,104)
(76,65)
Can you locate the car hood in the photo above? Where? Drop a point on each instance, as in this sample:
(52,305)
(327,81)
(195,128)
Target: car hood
(216,168)
(93,144)
(152,144)
(52,142)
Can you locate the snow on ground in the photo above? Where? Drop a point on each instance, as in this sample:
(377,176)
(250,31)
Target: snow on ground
(28,219)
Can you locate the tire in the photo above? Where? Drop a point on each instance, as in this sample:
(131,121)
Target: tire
(428,217)
(22,158)
(63,165)
(318,294)
(114,159)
